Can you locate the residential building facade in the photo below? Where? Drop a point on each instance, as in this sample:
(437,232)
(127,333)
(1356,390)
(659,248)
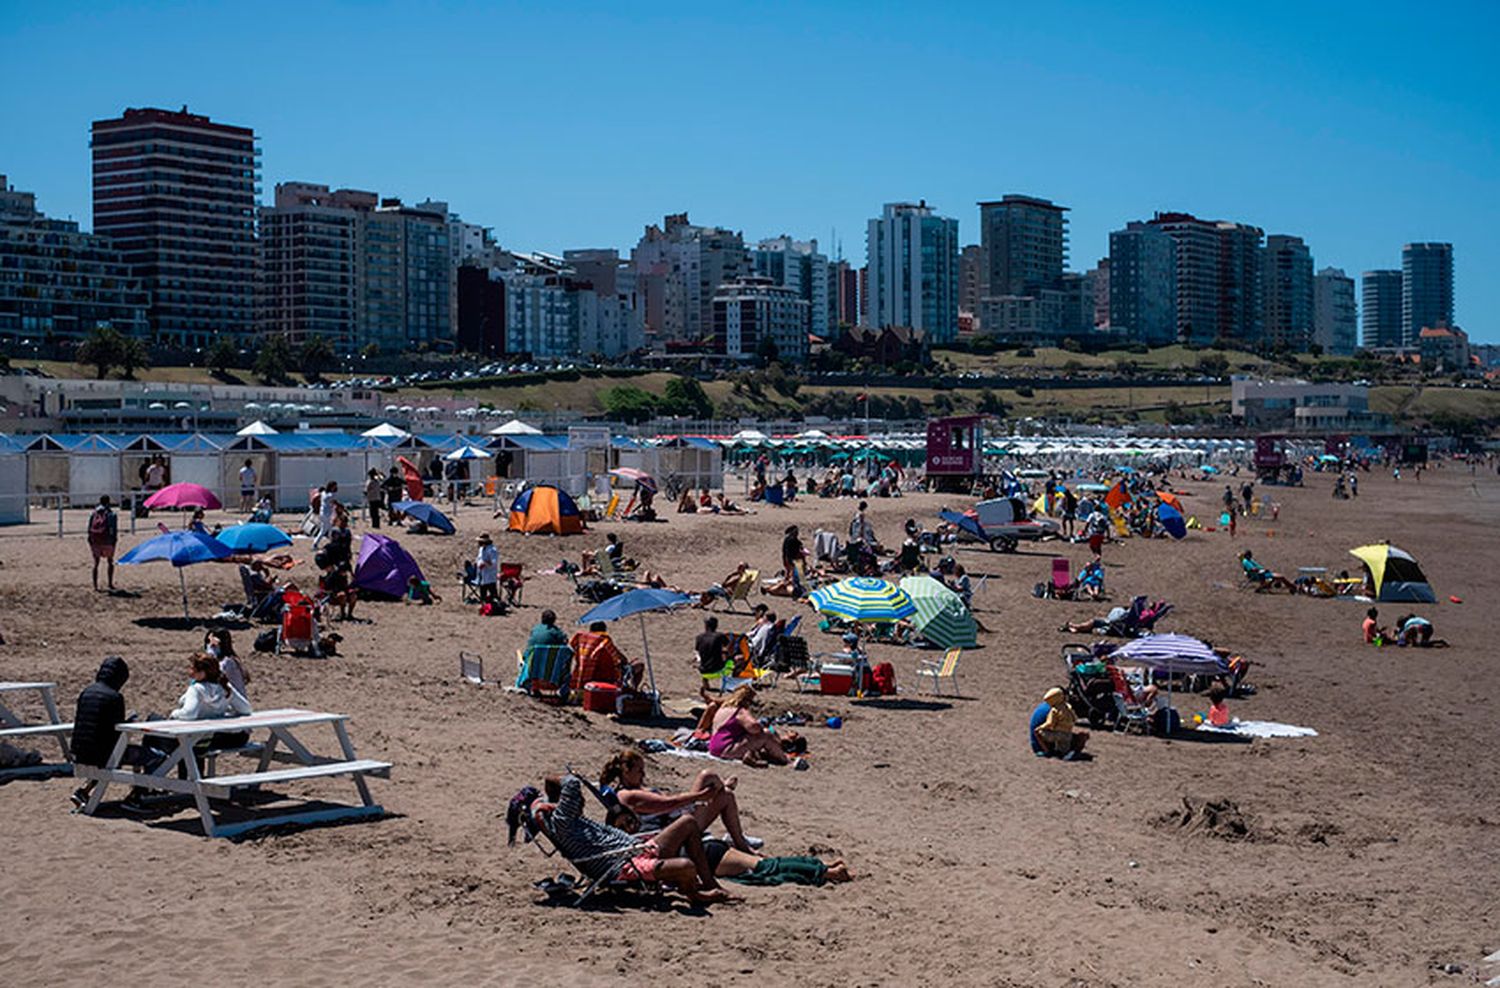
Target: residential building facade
(1288,293)
(797,264)
(1335,321)
(1443,349)
(176,193)
(754,316)
(57,282)
(310,263)
(678,266)
(1142,287)
(913,270)
(973,278)
(1426,289)
(1025,241)
(1219,278)
(1380,298)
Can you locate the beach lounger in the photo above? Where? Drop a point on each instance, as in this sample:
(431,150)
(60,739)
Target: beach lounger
(936,672)
(1130,711)
(741,589)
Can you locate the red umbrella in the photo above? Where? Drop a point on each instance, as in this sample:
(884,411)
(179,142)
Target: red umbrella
(638,476)
(184,496)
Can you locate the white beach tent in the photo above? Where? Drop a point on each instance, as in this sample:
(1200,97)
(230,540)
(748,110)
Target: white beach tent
(515,427)
(385,431)
(256,428)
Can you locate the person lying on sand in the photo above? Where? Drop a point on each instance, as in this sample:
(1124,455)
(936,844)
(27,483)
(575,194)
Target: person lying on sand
(587,844)
(711,798)
(748,868)
(728,507)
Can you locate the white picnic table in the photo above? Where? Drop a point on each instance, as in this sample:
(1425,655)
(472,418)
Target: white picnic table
(278,726)
(13,727)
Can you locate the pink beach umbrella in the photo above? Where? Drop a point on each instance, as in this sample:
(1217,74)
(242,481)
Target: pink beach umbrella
(184,496)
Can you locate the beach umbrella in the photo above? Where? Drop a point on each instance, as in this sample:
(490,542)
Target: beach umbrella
(1209,469)
(180,549)
(1171,654)
(254,537)
(1167,497)
(941,616)
(469,453)
(639,602)
(426,514)
(183,496)
(863,598)
(1171,519)
(633,475)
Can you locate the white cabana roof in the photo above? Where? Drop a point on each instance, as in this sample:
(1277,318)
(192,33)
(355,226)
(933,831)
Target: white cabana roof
(515,427)
(385,431)
(467,452)
(749,436)
(256,428)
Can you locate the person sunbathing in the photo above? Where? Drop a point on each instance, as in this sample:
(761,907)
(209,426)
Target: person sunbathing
(1258,574)
(738,734)
(728,507)
(724,589)
(711,798)
(747,867)
(594,848)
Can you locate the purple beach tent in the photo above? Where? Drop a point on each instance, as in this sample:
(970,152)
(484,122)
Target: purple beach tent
(384,567)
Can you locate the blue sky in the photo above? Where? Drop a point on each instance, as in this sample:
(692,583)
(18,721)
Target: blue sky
(1357,126)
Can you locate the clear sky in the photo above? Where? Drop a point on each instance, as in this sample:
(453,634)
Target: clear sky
(1358,126)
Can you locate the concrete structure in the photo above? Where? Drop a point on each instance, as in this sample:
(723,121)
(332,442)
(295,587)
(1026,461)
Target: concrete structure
(1380,297)
(1288,293)
(913,279)
(56,281)
(1335,322)
(797,264)
(1142,286)
(1284,405)
(1219,278)
(678,266)
(176,194)
(1426,289)
(973,278)
(1444,349)
(754,314)
(1076,320)
(1025,240)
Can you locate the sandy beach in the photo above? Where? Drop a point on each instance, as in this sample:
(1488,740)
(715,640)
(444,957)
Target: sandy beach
(1366,855)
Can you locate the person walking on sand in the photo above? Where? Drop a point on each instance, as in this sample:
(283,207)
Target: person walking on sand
(327,504)
(104,535)
(374,496)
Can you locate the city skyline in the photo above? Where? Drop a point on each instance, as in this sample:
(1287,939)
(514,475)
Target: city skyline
(542,186)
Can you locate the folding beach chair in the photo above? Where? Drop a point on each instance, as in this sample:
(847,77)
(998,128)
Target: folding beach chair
(936,672)
(741,589)
(1130,711)
(585,886)
(469,582)
(512,579)
(299,625)
(471,668)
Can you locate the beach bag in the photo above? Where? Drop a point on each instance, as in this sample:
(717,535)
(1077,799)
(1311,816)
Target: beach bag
(99,525)
(884,676)
(266,641)
(486,609)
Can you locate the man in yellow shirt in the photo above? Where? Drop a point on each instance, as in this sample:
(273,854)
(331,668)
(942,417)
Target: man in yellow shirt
(1055,734)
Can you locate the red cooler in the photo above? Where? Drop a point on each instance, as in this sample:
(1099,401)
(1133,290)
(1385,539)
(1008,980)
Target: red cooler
(600,697)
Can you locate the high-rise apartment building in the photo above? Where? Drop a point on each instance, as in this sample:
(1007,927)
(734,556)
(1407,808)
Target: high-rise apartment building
(1025,240)
(56,281)
(357,269)
(678,266)
(1426,289)
(1099,279)
(1143,284)
(755,316)
(913,270)
(797,264)
(1380,298)
(1335,326)
(1219,278)
(1288,293)
(611,322)
(843,296)
(480,325)
(973,278)
(176,194)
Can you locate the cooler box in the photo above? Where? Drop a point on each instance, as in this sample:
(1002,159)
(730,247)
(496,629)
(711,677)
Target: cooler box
(838,680)
(600,697)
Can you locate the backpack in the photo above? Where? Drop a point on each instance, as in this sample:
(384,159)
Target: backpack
(266,641)
(99,525)
(884,676)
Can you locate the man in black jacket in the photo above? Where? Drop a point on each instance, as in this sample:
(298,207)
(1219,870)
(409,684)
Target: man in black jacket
(100,707)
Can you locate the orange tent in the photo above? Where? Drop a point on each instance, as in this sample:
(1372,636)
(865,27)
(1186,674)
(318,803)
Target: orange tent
(1167,497)
(545,509)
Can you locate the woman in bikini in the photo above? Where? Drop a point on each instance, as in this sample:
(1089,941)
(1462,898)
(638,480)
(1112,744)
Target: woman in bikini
(711,798)
(737,734)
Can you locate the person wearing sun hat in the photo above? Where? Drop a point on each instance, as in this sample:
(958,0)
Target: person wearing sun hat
(1052,730)
(487,569)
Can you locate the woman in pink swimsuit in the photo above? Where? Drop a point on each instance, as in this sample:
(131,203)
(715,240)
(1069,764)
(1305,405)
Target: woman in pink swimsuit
(738,734)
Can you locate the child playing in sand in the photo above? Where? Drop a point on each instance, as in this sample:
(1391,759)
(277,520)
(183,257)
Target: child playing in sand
(1218,710)
(1374,633)
(419,591)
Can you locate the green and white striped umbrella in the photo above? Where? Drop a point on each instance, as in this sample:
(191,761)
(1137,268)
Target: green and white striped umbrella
(863,598)
(941,616)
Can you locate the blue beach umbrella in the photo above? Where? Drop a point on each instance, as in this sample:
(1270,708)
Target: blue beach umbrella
(426,514)
(254,537)
(863,598)
(1171,519)
(639,602)
(180,549)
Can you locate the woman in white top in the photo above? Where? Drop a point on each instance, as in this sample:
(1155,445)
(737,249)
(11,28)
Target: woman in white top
(209,696)
(487,569)
(220,644)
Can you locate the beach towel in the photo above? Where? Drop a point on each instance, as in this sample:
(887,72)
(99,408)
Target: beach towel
(1261,729)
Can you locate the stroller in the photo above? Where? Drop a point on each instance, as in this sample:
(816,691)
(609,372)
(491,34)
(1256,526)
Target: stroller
(1091,690)
(299,624)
